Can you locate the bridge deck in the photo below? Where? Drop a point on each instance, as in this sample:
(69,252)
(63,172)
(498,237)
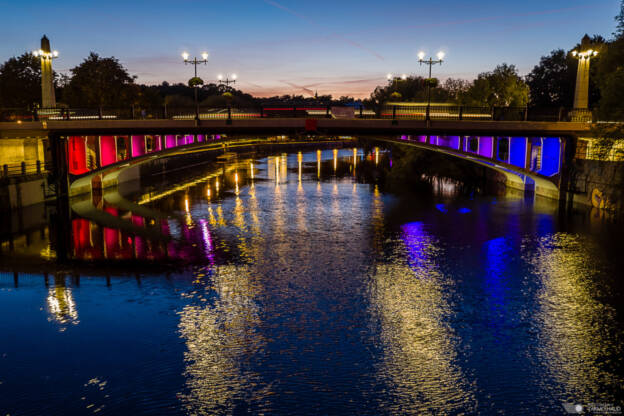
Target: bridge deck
(288,125)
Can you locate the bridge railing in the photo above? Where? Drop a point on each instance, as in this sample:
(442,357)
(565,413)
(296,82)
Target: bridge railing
(23,169)
(398,111)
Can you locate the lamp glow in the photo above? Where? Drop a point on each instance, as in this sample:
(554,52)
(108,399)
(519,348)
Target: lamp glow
(204,55)
(440,55)
(404,77)
(185,56)
(55,53)
(389,76)
(219,77)
(421,55)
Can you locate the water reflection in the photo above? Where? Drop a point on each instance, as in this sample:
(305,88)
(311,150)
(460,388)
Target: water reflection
(61,305)
(221,331)
(303,289)
(420,359)
(570,319)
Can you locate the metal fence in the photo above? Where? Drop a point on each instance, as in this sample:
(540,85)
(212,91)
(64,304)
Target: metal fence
(401,111)
(23,169)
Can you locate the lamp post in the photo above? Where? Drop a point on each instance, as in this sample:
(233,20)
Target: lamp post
(430,62)
(47,78)
(195,81)
(227,81)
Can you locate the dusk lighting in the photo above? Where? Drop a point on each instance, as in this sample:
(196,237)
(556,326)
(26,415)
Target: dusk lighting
(323,215)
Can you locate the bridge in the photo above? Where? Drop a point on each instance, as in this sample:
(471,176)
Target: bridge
(531,154)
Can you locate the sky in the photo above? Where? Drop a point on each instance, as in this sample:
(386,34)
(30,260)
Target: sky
(338,47)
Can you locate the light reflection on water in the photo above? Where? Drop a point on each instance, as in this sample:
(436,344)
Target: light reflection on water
(303,291)
(575,341)
(410,296)
(221,335)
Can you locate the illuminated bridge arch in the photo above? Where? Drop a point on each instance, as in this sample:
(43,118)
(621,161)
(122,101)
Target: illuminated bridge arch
(527,163)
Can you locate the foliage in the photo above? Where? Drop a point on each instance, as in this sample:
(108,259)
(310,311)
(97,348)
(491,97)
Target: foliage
(195,82)
(502,87)
(610,74)
(377,99)
(552,81)
(609,141)
(431,82)
(619,32)
(396,96)
(455,88)
(20,81)
(100,82)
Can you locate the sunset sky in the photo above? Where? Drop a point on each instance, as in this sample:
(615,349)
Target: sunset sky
(275,47)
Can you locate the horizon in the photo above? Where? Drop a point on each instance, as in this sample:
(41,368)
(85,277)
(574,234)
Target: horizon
(292,52)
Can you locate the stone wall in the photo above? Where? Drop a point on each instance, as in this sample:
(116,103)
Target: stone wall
(17,150)
(599,184)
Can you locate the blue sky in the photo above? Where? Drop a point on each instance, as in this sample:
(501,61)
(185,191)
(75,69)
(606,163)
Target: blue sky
(342,47)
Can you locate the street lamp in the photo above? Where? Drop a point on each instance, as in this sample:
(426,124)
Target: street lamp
(391,77)
(227,81)
(195,81)
(430,62)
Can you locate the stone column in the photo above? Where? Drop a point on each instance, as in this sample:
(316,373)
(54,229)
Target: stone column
(584,55)
(48,99)
(581,92)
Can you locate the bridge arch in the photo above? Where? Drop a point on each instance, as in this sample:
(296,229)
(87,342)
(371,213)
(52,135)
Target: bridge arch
(516,162)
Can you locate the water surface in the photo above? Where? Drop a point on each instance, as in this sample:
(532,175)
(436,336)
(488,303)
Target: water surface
(289,286)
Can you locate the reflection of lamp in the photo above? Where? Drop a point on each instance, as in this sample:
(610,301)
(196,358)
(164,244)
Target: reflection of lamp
(318,164)
(61,305)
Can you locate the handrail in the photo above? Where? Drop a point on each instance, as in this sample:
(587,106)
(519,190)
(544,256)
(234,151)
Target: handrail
(23,169)
(396,111)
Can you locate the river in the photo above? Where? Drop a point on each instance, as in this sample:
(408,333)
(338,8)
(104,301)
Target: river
(291,284)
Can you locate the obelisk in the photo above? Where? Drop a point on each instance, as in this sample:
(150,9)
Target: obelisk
(48,99)
(584,55)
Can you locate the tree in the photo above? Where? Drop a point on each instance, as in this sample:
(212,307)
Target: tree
(552,81)
(455,88)
(396,96)
(20,81)
(100,82)
(619,32)
(610,79)
(502,87)
(377,99)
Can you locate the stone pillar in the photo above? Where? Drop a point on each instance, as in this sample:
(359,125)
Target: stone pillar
(581,92)
(584,55)
(46,55)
